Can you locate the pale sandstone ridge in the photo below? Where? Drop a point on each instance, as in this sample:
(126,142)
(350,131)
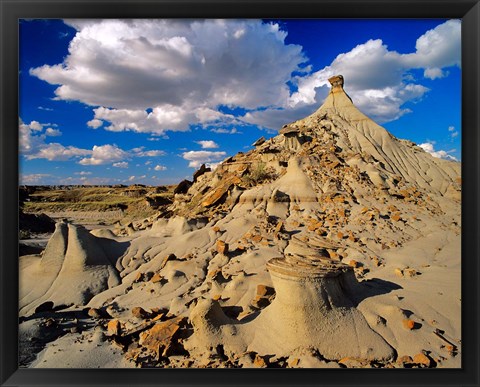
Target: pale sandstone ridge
(310,250)
(73,269)
(390,156)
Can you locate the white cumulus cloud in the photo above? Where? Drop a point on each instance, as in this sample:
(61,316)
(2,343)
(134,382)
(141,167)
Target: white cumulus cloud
(180,69)
(104,154)
(441,154)
(197,158)
(53,132)
(160,168)
(207,144)
(376,78)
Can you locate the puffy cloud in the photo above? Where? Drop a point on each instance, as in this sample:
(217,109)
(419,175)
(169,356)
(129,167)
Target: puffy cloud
(207,144)
(180,69)
(197,158)
(35,125)
(434,73)
(157,75)
(441,154)
(122,164)
(95,123)
(33,145)
(377,79)
(35,178)
(53,132)
(104,154)
(57,152)
(160,168)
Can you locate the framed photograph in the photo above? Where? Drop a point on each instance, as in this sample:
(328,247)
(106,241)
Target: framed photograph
(238,193)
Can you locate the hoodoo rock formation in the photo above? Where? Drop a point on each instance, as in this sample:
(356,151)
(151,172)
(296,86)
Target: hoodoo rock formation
(311,249)
(311,310)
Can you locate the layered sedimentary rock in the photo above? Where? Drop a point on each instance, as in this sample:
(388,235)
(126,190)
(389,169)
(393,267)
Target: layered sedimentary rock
(279,249)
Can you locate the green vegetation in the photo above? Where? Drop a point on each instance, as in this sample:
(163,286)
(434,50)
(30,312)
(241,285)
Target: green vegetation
(258,174)
(132,201)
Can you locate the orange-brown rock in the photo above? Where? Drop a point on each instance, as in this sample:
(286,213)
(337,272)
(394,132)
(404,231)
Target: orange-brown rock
(398,272)
(219,192)
(222,247)
(408,324)
(138,277)
(95,313)
(396,217)
(263,290)
(293,362)
(159,338)
(257,238)
(259,362)
(279,227)
(216,229)
(423,359)
(333,255)
(139,312)
(404,359)
(113,327)
(409,272)
(157,277)
(353,263)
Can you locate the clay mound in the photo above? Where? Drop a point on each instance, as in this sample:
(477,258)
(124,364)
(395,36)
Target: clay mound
(73,269)
(311,310)
(358,133)
(37,277)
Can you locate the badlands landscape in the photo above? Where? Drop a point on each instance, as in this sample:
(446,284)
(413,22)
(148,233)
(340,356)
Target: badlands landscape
(332,244)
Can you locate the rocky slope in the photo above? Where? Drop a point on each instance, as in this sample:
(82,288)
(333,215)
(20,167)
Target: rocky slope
(331,244)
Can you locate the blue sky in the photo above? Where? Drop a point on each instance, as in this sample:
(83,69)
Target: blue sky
(149,101)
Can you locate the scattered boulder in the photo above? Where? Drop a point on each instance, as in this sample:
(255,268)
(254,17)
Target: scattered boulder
(259,142)
(408,324)
(113,328)
(423,359)
(141,313)
(182,187)
(222,247)
(203,169)
(159,338)
(95,313)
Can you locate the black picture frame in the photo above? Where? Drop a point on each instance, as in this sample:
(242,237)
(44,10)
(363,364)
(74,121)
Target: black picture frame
(12,10)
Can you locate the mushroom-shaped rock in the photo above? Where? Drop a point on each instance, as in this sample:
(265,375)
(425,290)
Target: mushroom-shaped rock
(312,309)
